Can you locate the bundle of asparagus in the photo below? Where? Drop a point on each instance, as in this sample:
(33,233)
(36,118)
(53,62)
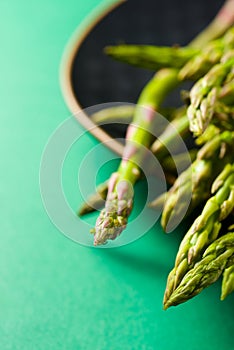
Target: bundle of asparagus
(207,250)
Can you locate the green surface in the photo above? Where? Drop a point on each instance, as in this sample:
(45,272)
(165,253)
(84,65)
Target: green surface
(56,294)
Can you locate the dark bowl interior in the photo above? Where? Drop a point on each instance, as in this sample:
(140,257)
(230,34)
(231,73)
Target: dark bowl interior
(98,79)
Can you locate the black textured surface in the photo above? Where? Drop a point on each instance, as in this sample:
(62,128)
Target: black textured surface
(98,79)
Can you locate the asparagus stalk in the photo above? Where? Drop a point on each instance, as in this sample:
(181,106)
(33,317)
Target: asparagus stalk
(204,93)
(151,57)
(202,62)
(94,201)
(158,203)
(211,132)
(116,114)
(217,257)
(169,136)
(198,178)
(113,218)
(170,164)
(180,160)
(226,94)
(224,116)
(228,282)
(205,228)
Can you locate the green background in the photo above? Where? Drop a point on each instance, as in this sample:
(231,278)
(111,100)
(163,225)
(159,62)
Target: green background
(56,294)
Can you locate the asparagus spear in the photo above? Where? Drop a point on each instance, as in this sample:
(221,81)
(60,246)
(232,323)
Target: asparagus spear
(226,94)
(198,178)
(224,116)
(114,114)
(151,57)
(179,125)
(202,62)
(124,114)
(217,257)
(205,228)
(95,200)
(228,281)
(180,160)
(113,218)
(171,164)
(203,95)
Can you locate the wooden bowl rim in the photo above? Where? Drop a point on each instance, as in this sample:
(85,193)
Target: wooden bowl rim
(66,67)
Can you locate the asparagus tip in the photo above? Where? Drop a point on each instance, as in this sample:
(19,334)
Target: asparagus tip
(166,306)
(82,211)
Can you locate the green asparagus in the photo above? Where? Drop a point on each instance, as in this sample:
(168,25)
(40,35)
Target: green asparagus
(205,228)
(113,218)
(115,114)
(180,160)
(223,116)
(95,200)
(202,62)
(151,57)
(228,282)
(217,257)
(204,93)
(178,126)
(198,178)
